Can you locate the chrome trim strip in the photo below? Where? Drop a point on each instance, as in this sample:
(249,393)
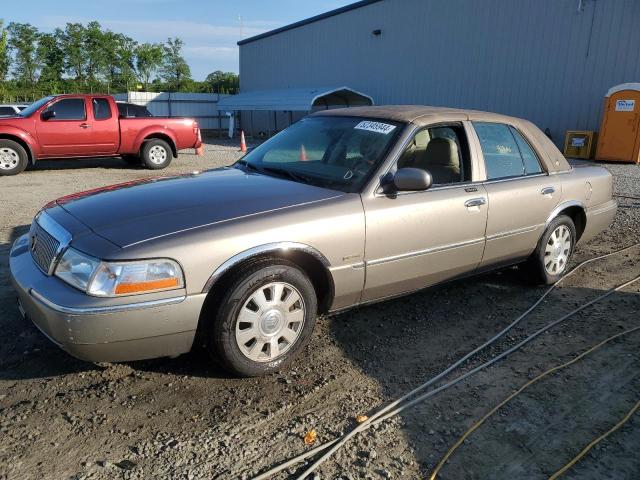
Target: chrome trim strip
(426,251)
(259,250)
(514,232)
(105,309)
(516,178)
(562,206)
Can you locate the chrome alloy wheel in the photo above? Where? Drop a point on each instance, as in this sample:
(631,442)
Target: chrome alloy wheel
(557,250)
(270,322)
(9,158)
(157,154)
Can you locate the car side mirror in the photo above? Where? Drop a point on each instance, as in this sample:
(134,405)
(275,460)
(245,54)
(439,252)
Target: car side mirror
(48,114)
(412,179)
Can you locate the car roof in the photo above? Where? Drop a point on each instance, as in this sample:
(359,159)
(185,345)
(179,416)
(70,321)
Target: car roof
(419,114)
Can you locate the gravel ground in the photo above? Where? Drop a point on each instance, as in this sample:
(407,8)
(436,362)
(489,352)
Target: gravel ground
(185,418)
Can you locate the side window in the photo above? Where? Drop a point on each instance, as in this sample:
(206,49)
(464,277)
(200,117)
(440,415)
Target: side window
(501,154)
(68,109)
(101,108)
(529,157)
(7,111)
(442,151)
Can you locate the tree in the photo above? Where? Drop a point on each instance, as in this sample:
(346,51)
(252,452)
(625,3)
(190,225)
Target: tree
(23,39)
(73,45)
(175,70)
(52,58)
(148,61)
(223,82)
(119,57)
(5,58)
(94,50)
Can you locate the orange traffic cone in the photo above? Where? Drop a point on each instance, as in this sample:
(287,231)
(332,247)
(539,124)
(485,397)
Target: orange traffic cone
(303,153)
(243,142)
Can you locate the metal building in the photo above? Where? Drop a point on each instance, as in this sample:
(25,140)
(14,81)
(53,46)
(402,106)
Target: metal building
(550,61)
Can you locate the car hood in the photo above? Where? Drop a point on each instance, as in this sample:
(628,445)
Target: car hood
(142,210)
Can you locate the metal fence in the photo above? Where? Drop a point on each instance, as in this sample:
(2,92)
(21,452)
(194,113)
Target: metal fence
(201,106)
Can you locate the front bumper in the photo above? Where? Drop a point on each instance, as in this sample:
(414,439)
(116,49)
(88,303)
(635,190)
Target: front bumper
(104,329)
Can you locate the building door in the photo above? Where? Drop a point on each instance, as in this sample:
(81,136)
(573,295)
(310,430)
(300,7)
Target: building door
(619,138)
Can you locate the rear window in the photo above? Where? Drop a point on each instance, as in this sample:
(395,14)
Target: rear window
(506,152)
(101,108)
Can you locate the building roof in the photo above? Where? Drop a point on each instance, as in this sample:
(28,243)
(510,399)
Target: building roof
(322,16)
(294,99)
(623,86)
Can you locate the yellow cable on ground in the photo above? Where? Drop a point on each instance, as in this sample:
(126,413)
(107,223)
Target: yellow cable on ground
(584,451)
(477,424)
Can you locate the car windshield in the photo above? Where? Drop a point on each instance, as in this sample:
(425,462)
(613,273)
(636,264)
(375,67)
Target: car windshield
(35,106)
(341,153)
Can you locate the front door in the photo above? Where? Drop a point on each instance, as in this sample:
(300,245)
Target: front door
(416,239)
(68,132)
(620,136)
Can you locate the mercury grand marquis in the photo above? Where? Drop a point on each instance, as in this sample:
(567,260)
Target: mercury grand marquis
(343,208)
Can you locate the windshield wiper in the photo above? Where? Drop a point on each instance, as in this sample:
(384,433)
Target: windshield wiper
(249,166)
(297,177)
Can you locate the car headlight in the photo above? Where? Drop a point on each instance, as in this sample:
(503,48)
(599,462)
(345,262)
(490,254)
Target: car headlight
(111,279)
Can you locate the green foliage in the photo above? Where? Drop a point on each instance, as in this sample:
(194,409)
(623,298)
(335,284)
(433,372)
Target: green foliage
(88,58)
(175,70)
(23,38)
(148,61)
(5,59)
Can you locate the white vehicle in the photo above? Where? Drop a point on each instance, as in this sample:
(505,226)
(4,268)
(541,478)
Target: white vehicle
(9,110)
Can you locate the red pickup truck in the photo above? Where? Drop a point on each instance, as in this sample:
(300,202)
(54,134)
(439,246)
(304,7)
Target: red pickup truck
(71,126)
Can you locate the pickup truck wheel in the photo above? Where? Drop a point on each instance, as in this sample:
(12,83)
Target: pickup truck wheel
(156,154)
(265,318)
(13,158)
(550,260)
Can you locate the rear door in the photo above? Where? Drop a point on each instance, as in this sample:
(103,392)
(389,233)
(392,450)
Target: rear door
(105,131)
(68,132)
(521,194)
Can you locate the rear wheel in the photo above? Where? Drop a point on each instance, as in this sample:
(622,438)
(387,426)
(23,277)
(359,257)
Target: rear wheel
(13,157)
(265,319)
(156,154)
(549,262)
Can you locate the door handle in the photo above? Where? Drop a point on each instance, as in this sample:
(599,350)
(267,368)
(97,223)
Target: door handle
(84,125)
(548,191)
(475,202)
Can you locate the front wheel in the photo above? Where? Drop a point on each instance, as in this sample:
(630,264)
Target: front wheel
(13,158)
(156,154)
(264,320)
(550,260)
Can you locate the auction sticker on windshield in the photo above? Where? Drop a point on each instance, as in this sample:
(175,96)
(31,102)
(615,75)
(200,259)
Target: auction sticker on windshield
(375,127)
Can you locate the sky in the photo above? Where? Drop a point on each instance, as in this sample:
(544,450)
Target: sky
(209,29)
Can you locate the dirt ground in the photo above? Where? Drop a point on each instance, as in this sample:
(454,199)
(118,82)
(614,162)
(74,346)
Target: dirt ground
(185,418)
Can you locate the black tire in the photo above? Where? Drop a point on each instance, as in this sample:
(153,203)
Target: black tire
(535,267)
(222,342)
(13,158)
(156,154)
(132,159)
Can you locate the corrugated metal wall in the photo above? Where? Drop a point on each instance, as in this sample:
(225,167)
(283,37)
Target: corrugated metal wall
(201,106)
(549,61)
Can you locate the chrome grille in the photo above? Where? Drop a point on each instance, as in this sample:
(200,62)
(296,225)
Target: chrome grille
(43,247)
